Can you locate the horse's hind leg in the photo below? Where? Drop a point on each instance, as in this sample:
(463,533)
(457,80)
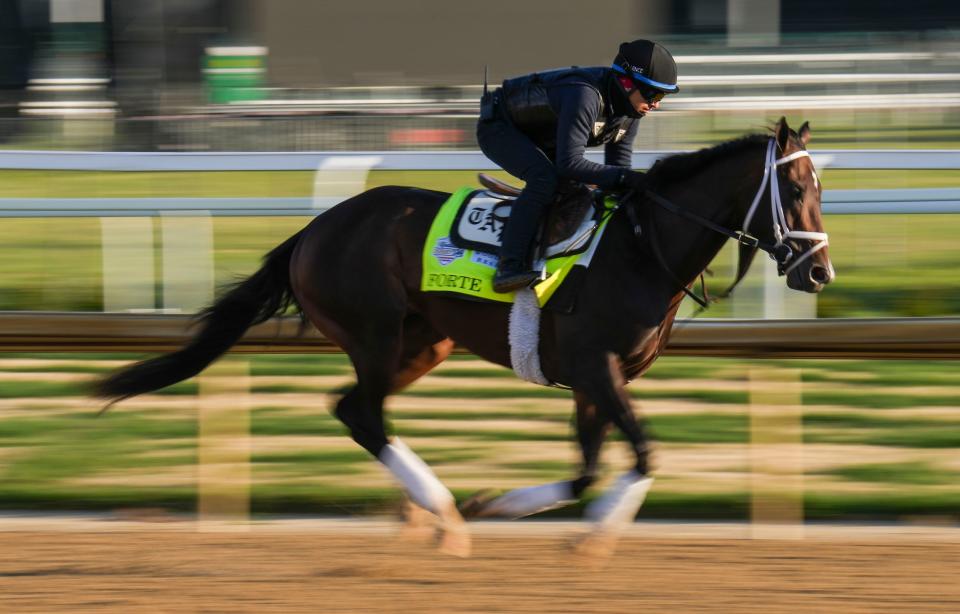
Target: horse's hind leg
(423,349)
(386,364)
(592,428)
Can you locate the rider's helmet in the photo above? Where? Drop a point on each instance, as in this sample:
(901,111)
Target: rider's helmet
(645,66)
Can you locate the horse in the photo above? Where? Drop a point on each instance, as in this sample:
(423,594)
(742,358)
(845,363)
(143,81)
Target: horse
(355,272)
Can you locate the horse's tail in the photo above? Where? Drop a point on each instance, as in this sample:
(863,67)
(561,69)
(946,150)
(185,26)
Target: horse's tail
(249,302)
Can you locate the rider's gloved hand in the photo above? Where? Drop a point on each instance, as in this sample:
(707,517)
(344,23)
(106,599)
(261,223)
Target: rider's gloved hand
(634,180)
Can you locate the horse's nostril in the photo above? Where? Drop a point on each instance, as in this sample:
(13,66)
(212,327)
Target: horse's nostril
(819,274)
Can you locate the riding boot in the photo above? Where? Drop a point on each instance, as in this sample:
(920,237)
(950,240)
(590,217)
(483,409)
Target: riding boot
(513,269)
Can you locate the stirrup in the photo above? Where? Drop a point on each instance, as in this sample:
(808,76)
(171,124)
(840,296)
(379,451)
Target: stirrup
(514,282)
(508,282)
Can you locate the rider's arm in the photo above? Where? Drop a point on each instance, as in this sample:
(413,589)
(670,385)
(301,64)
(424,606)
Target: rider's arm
(620,153)
(579,107)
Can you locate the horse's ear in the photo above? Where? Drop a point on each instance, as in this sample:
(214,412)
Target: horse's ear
(804,133)
(782,130)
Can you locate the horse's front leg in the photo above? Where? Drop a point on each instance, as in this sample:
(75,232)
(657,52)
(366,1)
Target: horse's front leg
(599,379)
(592,428)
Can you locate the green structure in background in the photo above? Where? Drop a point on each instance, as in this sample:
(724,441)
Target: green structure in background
(234,74)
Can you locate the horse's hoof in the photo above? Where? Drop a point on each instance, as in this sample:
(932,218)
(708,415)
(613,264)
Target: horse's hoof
(454,537)
(595,548)
(455,542)
(475,504)
(419,525)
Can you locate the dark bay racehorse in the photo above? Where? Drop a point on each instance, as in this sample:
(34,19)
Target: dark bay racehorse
(355,271)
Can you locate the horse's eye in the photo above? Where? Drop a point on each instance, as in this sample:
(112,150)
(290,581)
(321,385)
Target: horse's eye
(797,192)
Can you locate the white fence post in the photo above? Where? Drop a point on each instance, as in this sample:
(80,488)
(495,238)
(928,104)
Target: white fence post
(776,453)
(341,177)
(187,261)
(223,445)
(128,263)
(779,301)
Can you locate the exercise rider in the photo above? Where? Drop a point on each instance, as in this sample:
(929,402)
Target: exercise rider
(537,127)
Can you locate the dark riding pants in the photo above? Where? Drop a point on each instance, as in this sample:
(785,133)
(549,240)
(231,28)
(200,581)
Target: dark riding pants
(515,153)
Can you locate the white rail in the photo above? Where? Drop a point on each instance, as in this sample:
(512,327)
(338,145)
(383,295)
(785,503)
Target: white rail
(937,200)
(900,201)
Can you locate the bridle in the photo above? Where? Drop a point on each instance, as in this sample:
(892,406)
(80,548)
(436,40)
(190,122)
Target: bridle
(780,251)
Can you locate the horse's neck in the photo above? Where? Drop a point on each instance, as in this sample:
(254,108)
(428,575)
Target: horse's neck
(717,193)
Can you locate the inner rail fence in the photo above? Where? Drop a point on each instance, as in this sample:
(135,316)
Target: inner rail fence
(347,172)
(861,338)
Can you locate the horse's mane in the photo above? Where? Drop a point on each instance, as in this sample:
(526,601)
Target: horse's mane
(685,165)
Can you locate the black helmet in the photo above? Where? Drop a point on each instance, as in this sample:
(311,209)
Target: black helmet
(645,65)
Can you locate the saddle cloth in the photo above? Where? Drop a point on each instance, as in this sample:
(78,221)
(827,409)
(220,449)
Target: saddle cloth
(460,253)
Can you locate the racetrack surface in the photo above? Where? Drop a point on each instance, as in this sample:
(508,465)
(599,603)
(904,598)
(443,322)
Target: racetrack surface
(93,565)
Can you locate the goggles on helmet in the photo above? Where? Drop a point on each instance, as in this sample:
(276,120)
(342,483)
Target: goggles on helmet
(652,91)
(649,94)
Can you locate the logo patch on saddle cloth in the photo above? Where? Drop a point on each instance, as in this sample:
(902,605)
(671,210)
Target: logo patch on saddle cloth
(480,222)
(460,253)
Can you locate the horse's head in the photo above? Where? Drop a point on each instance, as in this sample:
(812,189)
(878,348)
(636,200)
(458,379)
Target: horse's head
(792,222)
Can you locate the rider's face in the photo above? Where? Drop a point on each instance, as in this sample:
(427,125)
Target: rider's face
(640,104)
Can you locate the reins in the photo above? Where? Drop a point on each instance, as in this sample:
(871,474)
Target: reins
(658,253)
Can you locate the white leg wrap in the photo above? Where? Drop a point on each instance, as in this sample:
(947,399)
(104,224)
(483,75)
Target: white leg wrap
(620,504)
(417,478)
(530,500)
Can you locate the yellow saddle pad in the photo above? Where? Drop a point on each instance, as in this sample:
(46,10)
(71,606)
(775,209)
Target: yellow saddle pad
(463,271)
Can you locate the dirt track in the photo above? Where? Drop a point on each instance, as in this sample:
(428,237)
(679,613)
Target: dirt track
(143,567)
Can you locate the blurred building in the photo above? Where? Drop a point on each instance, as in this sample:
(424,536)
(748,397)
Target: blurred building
(20,32)
(377,42)
(371,42)
(150,63)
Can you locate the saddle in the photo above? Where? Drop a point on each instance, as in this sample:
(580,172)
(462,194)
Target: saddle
(498,187)
(566,229)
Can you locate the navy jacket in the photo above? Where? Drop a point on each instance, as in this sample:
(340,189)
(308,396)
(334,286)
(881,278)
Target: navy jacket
(565,111)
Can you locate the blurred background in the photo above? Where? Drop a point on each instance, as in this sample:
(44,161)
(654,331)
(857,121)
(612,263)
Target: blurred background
(124,189)
(281,75)
(208,76)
